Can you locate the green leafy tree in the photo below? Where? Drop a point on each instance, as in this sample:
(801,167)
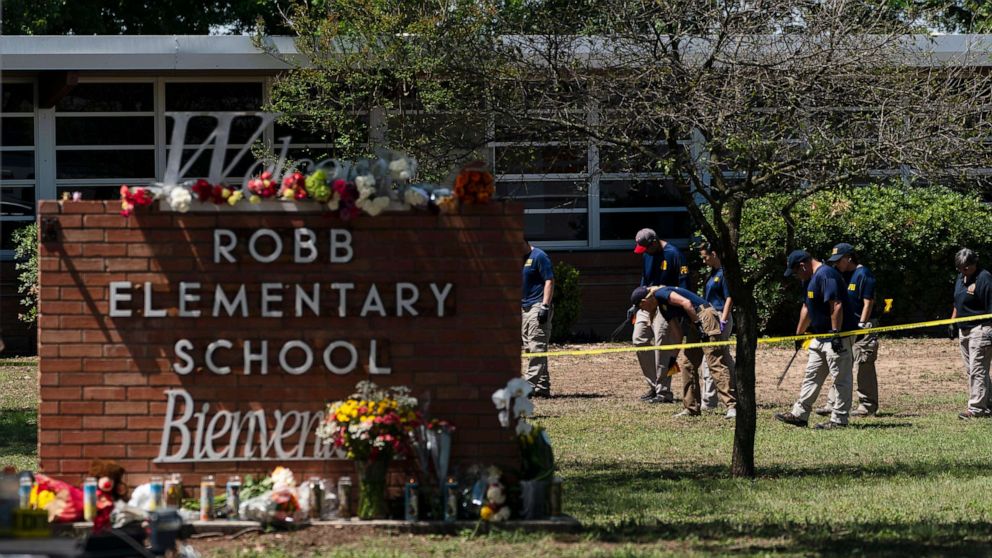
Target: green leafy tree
(907,237)
(567,301)
(26,252)
(126,17)
(735,101)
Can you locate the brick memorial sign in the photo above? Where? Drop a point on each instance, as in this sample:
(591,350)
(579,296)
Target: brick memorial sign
(211,342)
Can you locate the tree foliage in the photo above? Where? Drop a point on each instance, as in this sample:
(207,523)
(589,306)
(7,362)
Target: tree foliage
(907,237)
(126,17)
(26,252)
(567,301)
(733,100)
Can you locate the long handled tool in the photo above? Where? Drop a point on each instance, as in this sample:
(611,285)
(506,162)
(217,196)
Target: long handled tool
(787,366)
(628,320)
(619,328)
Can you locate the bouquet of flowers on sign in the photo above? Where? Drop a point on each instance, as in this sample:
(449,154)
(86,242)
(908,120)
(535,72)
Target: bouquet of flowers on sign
(474,184)
(372,427)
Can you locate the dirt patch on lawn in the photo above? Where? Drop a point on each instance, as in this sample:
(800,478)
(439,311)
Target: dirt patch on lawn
(907,369)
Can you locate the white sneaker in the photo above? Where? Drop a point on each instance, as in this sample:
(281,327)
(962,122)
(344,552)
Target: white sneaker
(685,413)
(731,413)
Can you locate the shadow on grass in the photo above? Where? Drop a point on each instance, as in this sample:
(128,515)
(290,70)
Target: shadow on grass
(18,431)
(835,539)
(577,396)
(878,425)
(611,475)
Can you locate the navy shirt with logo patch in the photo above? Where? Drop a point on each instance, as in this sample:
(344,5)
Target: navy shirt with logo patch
(974,298)
(537,270)
(716,291)
(665,268)
(860,286)
(826,285)
(669,310)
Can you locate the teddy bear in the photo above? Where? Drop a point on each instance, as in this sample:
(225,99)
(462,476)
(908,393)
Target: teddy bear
(495,508)
(110,487)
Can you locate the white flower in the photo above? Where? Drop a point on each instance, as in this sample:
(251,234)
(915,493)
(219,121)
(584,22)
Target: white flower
(522,407)
(500,398)
(518,387)
(179,199)
(502,515)
(365,181)
(523,428)
(504,418)
(399,169)
(282,478)
(417,197)
(334,204)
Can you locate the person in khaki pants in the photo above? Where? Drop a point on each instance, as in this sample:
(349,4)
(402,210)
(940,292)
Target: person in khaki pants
(535,319)
(662,264)
(691,317)
(717,294)
(973,297)
(861,291)
(827,309)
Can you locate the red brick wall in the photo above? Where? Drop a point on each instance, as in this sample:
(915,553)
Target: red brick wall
(103,379)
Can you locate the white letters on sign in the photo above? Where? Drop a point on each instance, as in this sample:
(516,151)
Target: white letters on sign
(190,436)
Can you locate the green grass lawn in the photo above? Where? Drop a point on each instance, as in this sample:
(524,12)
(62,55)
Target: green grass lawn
(19,413)
(915,480)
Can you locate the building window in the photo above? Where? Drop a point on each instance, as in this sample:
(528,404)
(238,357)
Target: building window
(233,96)
(105,137)
(18,182)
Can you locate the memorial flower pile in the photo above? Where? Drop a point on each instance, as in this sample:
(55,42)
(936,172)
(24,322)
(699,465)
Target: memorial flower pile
(373,424)
(346,189)
(474,185)
(134,197)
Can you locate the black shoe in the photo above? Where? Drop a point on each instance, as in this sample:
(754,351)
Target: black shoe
(829,425)
(789,418)
(967,415)
(541,395)
(661,399)
(648,395)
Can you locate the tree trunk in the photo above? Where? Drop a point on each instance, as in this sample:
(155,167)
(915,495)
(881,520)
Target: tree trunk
(746,320)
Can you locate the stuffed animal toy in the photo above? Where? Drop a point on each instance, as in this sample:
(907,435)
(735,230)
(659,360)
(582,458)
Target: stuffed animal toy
(110,487)
(62,501)
(495,508)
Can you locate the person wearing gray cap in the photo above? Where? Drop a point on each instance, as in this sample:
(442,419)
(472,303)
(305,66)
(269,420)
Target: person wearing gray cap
(861,291)
(826,309)
(662,265)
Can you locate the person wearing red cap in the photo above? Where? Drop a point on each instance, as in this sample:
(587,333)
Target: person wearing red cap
(662,265)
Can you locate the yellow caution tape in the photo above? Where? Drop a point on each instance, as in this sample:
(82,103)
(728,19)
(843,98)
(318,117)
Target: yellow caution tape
(762,341)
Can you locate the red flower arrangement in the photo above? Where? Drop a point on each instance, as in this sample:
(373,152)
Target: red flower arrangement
(474,184)
(134,197)
(263,186)
(294,187)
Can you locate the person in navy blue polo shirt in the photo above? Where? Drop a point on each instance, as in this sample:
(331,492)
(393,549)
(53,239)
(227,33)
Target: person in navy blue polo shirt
(690,317)
(861,291)
(973,297)
(536,313)
(662,265)
(718,295)
(826,309)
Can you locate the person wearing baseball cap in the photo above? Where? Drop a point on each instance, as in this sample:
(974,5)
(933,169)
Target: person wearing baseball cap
(693,319)
(826,309)
(662,265)
(861,291)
